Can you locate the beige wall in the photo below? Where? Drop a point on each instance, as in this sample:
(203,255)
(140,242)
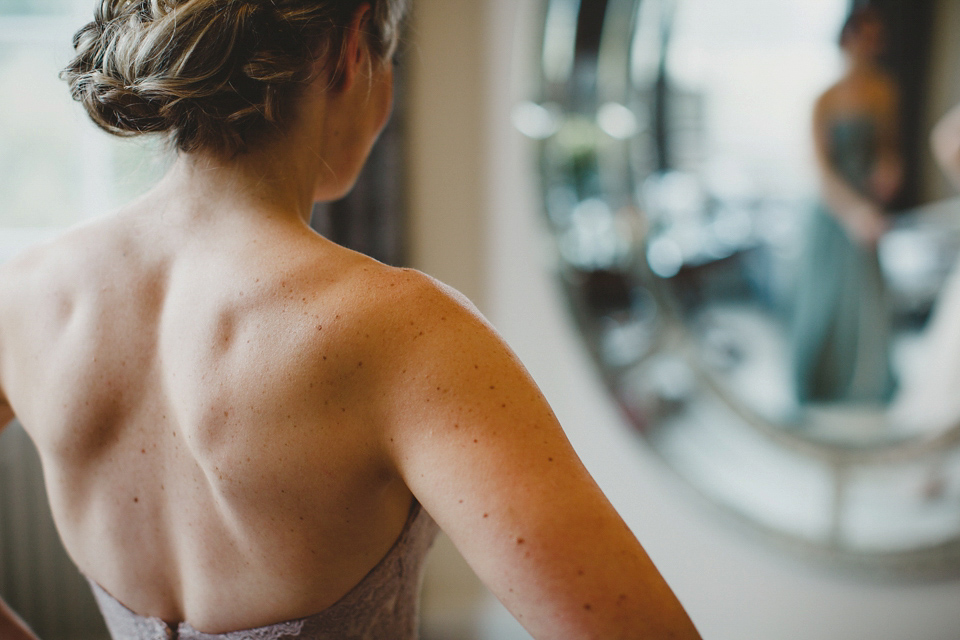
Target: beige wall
(447,150)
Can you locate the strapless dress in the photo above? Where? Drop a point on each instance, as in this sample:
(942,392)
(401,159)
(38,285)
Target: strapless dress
(841,323)
(383,606)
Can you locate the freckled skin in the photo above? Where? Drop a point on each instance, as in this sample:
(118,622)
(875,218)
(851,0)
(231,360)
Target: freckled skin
(245,410)
(211,432)
(274,432)
(544,538)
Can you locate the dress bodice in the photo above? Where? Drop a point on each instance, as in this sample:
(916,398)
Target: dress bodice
(853,149)
(383,606)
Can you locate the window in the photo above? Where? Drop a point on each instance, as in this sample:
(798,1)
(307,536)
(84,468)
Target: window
(56,167)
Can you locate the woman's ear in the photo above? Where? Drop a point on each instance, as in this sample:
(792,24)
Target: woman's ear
(355,60)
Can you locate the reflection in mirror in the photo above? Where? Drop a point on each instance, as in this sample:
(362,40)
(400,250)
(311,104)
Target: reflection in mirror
(757,246)
(790,180)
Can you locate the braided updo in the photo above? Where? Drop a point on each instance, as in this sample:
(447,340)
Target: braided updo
(213,74)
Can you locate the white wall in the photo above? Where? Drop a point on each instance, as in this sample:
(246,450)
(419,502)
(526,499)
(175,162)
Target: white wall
(734,587)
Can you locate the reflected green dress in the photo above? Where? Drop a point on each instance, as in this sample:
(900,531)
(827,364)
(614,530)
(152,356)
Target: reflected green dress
(840,338)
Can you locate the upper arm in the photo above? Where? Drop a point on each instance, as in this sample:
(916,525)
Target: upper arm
(480,448)
(6,412)
(820,123)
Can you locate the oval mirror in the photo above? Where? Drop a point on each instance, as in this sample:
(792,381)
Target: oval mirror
(759,250)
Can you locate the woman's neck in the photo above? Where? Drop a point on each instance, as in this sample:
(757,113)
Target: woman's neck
(279,179)
(200,186)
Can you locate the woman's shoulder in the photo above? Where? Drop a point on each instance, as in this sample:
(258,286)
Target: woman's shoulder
(409,321)
(862,92)
(39,269)
(401,296)
(87,243)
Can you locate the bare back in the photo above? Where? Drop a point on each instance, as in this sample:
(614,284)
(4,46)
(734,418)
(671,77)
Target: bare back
(206,450)
(234,414)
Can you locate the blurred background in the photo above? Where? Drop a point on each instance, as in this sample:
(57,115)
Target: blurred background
(453,190)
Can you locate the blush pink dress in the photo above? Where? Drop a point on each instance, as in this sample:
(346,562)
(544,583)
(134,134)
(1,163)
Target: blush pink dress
(383,606)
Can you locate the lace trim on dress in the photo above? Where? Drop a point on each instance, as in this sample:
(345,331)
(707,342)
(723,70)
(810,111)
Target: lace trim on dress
(383,606)
(279,631)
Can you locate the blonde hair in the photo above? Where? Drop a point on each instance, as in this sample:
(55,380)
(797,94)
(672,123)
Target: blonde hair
(213,74)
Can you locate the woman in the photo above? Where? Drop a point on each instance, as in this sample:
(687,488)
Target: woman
(841,326)
(244,426)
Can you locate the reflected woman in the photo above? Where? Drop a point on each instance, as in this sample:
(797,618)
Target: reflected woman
(840,337)
(249,431)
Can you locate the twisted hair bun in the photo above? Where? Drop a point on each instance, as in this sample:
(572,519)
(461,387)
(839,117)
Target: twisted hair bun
(213,74)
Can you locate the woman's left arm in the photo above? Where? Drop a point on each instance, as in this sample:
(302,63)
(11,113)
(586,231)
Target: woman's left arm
(477,444)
